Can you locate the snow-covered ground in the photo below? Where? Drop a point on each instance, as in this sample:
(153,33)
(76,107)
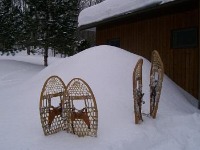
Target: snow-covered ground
(108,71)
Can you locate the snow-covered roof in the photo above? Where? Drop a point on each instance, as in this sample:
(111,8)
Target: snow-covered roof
(112,8)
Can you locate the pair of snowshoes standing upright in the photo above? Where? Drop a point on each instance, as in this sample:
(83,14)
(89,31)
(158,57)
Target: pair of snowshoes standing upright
(156,79)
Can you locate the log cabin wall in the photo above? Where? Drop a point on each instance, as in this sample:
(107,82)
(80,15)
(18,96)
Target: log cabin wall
(142,35)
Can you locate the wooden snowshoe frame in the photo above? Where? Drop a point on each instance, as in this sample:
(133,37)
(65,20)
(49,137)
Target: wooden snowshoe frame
(82,122)
(51,116)
(65,116)
(156,79)
(137,90)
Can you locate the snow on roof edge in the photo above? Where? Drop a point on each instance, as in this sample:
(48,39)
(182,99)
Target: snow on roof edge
(94,14)
(117,16)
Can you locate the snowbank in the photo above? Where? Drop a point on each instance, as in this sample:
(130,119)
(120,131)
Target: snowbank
(108,71)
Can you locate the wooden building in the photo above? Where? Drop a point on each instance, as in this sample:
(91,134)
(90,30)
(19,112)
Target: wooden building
(172,29)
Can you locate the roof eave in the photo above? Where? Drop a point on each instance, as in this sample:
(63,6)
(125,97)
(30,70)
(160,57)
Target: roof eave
(142,10)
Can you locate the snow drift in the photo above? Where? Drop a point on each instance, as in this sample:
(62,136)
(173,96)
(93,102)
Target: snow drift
(108,71)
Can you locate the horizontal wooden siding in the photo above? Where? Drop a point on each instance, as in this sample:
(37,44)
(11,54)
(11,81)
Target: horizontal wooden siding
(145,35)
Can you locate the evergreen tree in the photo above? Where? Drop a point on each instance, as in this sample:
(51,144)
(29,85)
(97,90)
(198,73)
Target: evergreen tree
(65,15)
(55,23)
(6,38)
(82,45)
(29,30)
(44,23)
(10,20)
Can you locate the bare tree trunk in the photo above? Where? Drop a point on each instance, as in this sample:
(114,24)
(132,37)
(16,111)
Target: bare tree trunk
(46,56)
(54,52)
(28,50)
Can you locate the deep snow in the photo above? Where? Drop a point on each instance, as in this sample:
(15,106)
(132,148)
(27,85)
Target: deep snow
(108,71)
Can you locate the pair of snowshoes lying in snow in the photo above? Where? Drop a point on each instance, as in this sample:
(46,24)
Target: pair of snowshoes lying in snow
(156,79)
(71,108)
